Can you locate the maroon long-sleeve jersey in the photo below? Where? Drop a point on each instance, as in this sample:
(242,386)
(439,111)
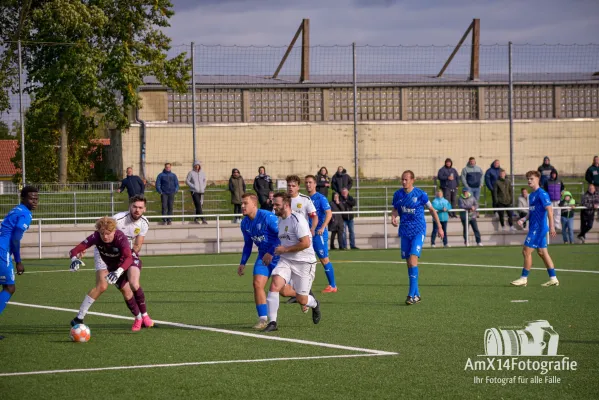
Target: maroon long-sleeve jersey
(116,254)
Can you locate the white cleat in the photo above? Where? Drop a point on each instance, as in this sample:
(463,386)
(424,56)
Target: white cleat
(520,282)
(551,282)
(261,324)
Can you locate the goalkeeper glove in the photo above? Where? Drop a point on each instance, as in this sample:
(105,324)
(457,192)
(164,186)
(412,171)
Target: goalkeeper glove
(114,276)
(75,264)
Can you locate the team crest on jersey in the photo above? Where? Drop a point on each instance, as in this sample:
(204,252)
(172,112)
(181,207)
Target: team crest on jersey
(299,205)
(286,228)
(414,199)
(136,231)
(259,226)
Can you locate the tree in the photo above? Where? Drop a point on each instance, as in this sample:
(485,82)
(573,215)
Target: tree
(5,132)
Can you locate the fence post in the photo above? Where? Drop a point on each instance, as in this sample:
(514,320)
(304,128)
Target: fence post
(385,229)
(467,229)
(39,237)
(218,234)
(182,205)
(112,198)
(356,155)
(386,198)
(75,206)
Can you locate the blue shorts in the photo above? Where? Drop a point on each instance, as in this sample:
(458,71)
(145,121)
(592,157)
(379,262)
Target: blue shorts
(411,246)
(538,241)
(7,272)
(261,269)
(320,243)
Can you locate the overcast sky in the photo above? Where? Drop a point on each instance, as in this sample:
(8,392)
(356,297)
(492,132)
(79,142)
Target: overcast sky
(379,22)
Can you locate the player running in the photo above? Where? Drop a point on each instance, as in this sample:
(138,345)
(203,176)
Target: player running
(408,205)
(297,263)
(14,225)
(540,216)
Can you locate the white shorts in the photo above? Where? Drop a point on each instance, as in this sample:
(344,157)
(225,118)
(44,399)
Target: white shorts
(99,263)
(297,273)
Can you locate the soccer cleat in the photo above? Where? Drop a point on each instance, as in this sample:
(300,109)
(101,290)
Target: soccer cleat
(551,282)
(291,300)
(261,324)
(76,321)
(410,300)
(316,314)
(330,289)
(271,327)
(136,325)
(148,323)
(520,282)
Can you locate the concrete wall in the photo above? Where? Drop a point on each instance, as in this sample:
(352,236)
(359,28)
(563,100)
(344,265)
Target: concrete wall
(385,148)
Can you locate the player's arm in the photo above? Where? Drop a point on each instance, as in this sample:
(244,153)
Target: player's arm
(394,212)
(272,238)
(125,261)
(327,219)
(138,243)
(314,218)
(15,247)
(304,243)
(549,209)
(246,253)
(77,252)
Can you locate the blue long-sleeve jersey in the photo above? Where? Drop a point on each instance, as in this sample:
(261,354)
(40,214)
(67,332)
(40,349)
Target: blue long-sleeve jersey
(13,227)
(263,231)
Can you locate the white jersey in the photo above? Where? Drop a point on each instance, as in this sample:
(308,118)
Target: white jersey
(130,227)
(291,229)
(303,204)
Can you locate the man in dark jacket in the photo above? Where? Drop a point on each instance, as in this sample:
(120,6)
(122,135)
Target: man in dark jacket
(545,169)
(592,174)
(341,180)
(492,174)
(502,198)
(348,219)
(262,186)
(554,186)
(590,200)
(448,182)
(336,226)
(167,185)
(132,183)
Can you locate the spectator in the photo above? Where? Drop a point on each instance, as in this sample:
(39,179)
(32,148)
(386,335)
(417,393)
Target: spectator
(492,175)
(472,178)
(554,186)
(262,186)
(336,226)
(268,204)
(567,217)
(348,219)
(323,182)
(196,181)
(545,169)
(442,205)
(237,189)
(448,182)
(502,198)
(468,202)
(590,200)
(592,174)
(133,183)
(167,185)
(523,203)
(341,180)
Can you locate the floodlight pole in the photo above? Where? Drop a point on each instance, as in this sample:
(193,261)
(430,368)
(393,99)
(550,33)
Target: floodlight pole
(21,115)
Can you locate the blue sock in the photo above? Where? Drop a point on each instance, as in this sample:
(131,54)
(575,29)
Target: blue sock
(525,273)
(551,272)
(262,310)
(330,273)
(4,297)
(416,289)
(412,281)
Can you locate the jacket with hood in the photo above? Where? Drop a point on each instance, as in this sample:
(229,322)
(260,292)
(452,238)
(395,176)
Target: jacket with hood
(502,192)
(167,182)
(466,203)
(321,181)
(554,187)
(133,184)
(523,203)
(491,176)
(589,200)
(592,175)
(566,213)
(472,177)
(440,203)
(236,187)
(545,170)
(336,224)
(262,185)
(196,180)
(340,181)
(443,176)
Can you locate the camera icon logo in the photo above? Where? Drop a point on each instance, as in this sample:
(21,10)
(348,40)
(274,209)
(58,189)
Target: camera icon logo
(537,338)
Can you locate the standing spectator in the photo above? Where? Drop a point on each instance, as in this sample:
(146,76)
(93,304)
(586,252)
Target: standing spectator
(348,219)
(442,205)
(268,204)
(545,170)
(448,182)
(167,185)
(237,189)
(336,226)
(592,174)
(262,186)
(133,183)
(341,180)
(567,217)
(323,182)
(523,203)
(468,202)
(591,201)
(196,181)
(554,186)
(492,175)
(502,198)
(472,178)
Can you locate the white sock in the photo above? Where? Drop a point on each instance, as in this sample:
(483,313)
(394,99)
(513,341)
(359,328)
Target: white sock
(144,314)
(311,301)
(138,316)
(85,305)
(272,301)
(263,318)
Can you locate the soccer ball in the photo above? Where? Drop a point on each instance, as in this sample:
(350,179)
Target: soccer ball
(80,333)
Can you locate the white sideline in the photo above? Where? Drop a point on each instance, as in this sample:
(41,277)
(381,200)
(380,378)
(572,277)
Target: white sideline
(218,330)
(186,364)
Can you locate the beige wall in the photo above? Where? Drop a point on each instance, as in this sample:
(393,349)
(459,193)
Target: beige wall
(386,148)
(154,106)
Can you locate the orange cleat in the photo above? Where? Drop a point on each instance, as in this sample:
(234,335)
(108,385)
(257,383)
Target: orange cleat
(330,289)
(136,325)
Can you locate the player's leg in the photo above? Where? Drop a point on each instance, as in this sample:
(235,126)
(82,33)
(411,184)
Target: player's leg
(415,248)
(544,254)
(527,255)
(7,280)
(261,275)
(95,292)
(280,276)
(320,243)
(302,276)
(125,288)
(133,276)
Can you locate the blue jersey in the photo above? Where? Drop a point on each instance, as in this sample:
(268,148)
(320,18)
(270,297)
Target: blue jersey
(322,205)
(537,201)
(410,207)
(263,230)
(13,226)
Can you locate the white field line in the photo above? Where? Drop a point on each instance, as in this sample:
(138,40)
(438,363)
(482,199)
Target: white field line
(186,364)
(218,330)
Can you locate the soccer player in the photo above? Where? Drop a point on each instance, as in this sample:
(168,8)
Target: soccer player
(14,225)
(297,262)
(540,217)
(260,227)
(135,226)
(408,205)
(320,241)
(300,203)
(115,251)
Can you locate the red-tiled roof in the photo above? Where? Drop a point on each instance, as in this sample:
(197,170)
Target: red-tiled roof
(8,149)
